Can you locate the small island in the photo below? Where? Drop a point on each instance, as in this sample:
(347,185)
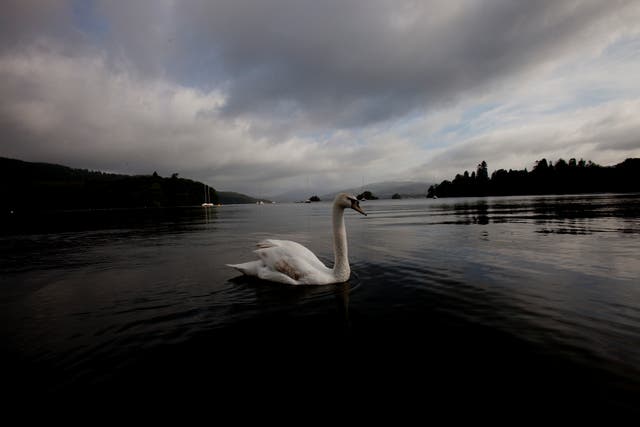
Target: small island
(366,195)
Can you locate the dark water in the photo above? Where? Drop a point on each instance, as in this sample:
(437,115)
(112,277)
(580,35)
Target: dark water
(530,303)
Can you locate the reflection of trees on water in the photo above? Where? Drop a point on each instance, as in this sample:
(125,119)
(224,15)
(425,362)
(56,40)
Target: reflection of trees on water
(571,215)
(476,213)
(557,214)
(471,212)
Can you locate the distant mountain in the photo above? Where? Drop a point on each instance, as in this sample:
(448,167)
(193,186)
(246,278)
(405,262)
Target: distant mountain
(295,195)
(28,185)
(385,190)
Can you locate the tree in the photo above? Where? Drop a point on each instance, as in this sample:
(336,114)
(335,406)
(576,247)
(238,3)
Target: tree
(541,166)
(483,174)
(367,195)
(396,196)
(314,198)
(561,164)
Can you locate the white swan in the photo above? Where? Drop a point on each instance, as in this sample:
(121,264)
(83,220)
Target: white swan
(289,262)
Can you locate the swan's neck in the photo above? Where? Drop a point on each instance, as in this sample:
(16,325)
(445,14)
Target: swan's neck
(341,268)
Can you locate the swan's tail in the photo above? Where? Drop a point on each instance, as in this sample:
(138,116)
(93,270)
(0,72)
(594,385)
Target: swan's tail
(250,268)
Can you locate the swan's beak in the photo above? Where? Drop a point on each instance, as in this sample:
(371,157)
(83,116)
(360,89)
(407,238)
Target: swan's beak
(356,207)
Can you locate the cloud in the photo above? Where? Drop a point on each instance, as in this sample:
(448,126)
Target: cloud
(82,112)
(75,108)
(350,64)
(25,21)
(607,133)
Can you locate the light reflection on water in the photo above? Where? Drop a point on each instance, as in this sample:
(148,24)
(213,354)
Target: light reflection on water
(87,295)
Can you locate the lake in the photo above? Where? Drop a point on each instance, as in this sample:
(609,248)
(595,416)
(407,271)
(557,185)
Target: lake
(533,302)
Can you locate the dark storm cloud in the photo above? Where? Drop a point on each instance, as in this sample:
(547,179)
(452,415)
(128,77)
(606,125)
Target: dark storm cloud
(328,63)
(25,21)
(349,63)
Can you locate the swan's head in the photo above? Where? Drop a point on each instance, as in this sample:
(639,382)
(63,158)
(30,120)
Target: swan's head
(346,201)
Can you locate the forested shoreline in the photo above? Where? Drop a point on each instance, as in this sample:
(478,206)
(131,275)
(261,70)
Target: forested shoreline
(28,185)
(546,177)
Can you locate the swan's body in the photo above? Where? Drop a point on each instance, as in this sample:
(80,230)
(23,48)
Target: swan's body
(289,262)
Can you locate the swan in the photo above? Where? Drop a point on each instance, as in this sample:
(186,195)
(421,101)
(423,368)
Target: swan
(291,263)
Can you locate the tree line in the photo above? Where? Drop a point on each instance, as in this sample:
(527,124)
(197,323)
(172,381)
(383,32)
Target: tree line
(546,177)
(49,186)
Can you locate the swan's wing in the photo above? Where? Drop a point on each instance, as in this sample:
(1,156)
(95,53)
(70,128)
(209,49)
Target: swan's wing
(288,262)
(288,248)
(292,252)
(293,260)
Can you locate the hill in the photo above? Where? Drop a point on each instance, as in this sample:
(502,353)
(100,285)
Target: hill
(50,186)
(231,197)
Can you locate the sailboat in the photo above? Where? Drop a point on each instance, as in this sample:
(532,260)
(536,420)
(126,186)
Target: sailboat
(207,203)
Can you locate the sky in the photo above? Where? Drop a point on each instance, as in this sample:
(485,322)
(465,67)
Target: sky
(268,96)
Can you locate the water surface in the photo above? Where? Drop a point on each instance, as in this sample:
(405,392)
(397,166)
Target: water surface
(534,301)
